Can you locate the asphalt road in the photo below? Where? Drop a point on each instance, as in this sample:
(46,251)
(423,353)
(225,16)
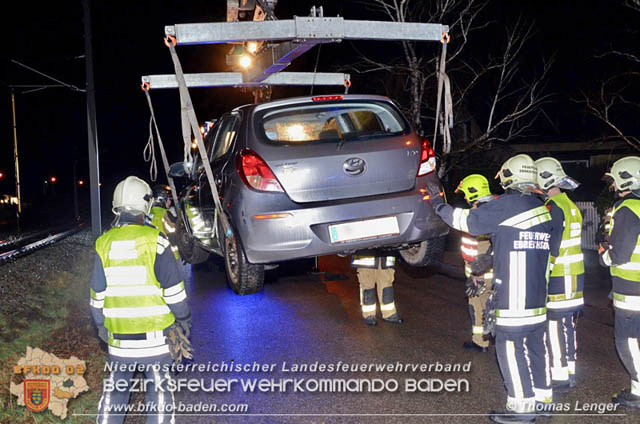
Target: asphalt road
(301,318)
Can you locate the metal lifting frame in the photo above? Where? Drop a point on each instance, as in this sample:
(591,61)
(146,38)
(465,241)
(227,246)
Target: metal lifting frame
(293,37)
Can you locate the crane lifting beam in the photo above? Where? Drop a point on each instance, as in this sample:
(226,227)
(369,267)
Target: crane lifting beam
(304,29)
(235,79)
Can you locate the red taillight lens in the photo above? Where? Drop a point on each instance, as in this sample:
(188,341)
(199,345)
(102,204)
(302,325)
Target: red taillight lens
(326,98)
(255,172)
(427,159)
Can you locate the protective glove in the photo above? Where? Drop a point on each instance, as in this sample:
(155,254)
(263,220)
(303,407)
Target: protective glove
(489,315)
(103,334)
(185,325)
(481,264)
(434,196)
(179,346)
(475,286)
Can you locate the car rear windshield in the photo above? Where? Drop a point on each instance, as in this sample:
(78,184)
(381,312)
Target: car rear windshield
(336,121)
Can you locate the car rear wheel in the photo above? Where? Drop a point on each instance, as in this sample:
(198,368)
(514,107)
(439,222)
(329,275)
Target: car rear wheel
(189,250)
(243,277)
(427,252)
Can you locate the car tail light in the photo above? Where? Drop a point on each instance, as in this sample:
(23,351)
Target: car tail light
(325,98)
(256,173)
(427,159)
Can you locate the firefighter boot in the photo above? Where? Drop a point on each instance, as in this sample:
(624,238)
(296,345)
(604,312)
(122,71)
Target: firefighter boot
(369,306)
(626,399)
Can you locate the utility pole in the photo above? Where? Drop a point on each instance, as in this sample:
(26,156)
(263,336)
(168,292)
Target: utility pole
(15,156)
(94,168)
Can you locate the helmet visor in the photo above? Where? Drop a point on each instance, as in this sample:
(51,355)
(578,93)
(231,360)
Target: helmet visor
(567,183)
(527,188)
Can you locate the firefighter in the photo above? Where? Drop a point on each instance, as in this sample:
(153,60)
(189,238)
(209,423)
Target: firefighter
(376,271)
(163,215)
(476,251)
(520,229)
(566,282)
(139,305)
(621,254)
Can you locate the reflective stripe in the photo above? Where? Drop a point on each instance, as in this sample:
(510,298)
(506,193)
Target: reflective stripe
(388,306)
(469,251)
(367,261)
(513,369)
(569,259)
(488,276)
(138,353)
(630,303)
(510,313)
(515,322)
(460,219)
(556,350)
(470,241)
(163,243)
(528,219)
(123,249)
(521,405)
(170,291)
(629,266)
(170,300)
(133,290)
(477,329)
(560,304)
(517,280)
(577,241)
(390,261)
(369,308)
(635,387)
(96,295)
(634,349)
(96,303)
(126,275)
(145,311)
(543,395)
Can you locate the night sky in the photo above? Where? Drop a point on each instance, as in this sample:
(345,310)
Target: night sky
(127,43)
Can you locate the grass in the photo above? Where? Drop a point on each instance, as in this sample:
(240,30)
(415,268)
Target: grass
(53,315)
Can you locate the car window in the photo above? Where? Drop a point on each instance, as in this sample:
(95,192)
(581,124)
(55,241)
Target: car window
(226,134)
(335,121)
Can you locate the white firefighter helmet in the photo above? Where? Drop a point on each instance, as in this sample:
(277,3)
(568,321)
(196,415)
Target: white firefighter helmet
(625,173)
(518,173)
(550,174)
(133,195)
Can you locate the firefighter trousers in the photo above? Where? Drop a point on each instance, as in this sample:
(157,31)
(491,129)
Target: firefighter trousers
(524,363)
(476,309)
(562,344)
(159,402)
(627,335)
(380,279)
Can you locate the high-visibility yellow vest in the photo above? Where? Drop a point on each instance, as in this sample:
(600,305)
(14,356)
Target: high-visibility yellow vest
(159,220)
(133,300)
(570,260)
(631,270)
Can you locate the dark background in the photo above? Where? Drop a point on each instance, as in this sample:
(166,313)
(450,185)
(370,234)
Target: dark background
(128,43)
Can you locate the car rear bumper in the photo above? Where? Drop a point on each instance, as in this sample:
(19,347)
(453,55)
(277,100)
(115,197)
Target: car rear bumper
(304,229)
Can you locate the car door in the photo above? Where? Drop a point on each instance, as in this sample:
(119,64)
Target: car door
(223,140)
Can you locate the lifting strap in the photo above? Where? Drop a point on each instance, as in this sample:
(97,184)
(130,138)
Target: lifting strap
(189,115)
(446,123)
(149,152)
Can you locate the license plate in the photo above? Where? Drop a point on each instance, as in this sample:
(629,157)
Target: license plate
(367,228)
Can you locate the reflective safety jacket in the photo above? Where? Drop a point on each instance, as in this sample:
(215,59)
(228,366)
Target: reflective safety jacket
(470,248)
(565,288)
(161,220)
(520,230)
(373,261)
(136,290)
(624,254)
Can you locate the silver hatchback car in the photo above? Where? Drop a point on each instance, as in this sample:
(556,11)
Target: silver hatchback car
(311,176)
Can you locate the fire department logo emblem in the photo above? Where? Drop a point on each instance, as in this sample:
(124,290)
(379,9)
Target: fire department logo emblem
(36,394)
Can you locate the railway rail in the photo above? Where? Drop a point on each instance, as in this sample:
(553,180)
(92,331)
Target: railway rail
(28,243)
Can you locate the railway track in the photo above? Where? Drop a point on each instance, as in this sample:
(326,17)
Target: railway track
(30,242)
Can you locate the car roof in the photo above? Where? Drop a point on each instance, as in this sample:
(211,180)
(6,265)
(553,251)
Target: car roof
(308,99)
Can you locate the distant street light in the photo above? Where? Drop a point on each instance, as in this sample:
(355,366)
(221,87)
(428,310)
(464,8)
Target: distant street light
(53,180)
(1,175)
(80,182)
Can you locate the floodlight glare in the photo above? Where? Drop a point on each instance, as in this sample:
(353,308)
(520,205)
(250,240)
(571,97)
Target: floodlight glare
(252,47)
(245,61)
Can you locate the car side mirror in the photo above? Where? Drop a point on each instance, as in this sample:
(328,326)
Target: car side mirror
(178,169)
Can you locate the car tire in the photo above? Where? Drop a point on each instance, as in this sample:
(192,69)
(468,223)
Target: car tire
(427,252)
(189,250)
(243,277)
